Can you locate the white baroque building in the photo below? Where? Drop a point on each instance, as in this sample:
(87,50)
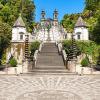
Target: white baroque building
(49,29)
(19,31)
(80,30)
(19,34)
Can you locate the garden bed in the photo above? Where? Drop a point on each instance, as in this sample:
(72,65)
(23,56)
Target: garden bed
(2,67)
(97,68)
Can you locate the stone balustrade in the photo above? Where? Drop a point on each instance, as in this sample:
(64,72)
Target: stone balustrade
(64,57)
(40,47)
(60,48)
(35,56)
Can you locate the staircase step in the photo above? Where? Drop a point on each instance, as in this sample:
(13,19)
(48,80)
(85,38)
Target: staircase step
(49,44)
(51,72)
(50,49)
(49,66)
(49,54)
(50,61)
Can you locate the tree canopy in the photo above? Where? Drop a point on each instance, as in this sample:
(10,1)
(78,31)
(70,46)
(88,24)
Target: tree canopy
(10,10)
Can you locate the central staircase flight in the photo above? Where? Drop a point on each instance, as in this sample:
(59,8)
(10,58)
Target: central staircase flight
(49,61)
(49,57)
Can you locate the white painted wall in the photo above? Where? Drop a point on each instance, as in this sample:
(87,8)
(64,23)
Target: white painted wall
(16,34)
(54,33)
(69,36)
(84,34)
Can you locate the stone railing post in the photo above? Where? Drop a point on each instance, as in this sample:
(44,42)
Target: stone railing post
(25,66)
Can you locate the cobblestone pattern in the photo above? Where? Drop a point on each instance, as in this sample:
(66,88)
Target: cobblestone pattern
(54,87)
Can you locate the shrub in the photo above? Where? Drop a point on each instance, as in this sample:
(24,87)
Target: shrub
(34,46)
(85,62)
(13,62)
(84,47)
(3,60)
(67,46)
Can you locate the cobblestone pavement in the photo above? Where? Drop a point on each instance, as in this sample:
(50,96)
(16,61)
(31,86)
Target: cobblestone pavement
(50,87)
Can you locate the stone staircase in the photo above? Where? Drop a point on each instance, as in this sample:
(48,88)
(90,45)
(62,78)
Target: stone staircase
(49,58)
(50,62)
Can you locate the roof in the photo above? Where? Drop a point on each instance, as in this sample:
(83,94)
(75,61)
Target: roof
(49,19)
(80,23)
(19,22)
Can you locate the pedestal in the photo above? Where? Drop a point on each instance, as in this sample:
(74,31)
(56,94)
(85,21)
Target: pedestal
(25,66)
(72,66)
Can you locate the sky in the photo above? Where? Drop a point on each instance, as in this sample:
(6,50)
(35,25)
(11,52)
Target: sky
(63,7)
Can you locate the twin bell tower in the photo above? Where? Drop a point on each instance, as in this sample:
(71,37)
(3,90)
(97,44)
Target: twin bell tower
(54,20)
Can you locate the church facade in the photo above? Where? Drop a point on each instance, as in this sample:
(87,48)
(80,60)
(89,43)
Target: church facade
(49,28)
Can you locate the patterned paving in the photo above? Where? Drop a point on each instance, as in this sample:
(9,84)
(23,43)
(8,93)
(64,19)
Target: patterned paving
(46,87)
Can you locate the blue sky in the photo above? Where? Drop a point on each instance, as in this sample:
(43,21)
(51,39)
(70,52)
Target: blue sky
(63,7)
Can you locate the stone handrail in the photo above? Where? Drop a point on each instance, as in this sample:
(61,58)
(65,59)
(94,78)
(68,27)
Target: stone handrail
(35,54)
(40,47)
(35,57)
(64,57)
(60,48)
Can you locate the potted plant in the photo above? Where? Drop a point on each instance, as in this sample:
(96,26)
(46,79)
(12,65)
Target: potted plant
(13,62)
(85,62)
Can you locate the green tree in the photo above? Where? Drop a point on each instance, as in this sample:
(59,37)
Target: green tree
(5,12)
(34,46)
(28,10)
(10,10)
(5,36)
(69,21)
(96,32)
(92,4)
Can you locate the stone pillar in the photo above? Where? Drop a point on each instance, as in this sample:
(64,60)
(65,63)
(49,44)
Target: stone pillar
(31,64)
(72,66)
(25,66)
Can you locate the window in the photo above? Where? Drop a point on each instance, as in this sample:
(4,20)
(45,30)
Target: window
(21,37)
(78,36)
(65,36)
